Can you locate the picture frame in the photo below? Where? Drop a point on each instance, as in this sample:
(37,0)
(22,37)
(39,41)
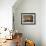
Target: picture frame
(28,18)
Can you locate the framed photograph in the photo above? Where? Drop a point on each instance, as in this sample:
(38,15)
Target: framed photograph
(28,18)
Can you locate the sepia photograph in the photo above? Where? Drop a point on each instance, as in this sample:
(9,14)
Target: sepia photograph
(28,18)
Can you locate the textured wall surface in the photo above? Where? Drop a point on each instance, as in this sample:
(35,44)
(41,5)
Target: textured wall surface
(32,32)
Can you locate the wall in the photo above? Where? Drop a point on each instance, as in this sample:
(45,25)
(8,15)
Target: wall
(6,13)
(43,22)
(6,16)
(32,32)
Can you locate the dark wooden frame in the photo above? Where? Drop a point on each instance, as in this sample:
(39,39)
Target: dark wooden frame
(31,23)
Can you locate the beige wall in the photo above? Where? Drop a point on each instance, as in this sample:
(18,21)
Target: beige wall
(36,32)
(43,22)
(30,31)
